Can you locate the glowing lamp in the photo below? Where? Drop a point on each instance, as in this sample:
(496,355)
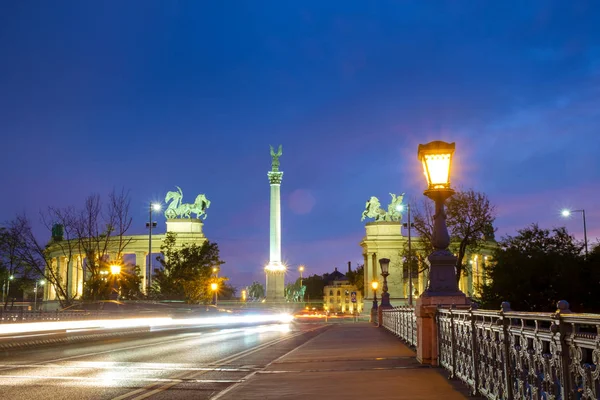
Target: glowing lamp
(436,158)
(301,268)
(214,286)
(156,206)
(115,269)
(374,285)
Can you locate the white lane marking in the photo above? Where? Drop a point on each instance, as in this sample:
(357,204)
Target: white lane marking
(182,374)
(229,359)
(250,375)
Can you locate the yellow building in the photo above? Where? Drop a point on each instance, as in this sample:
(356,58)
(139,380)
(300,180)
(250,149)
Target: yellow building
(338,294)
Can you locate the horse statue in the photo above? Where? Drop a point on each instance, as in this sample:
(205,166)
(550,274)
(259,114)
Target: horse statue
(198,207)
(373,210)
(393,213)
(175,199)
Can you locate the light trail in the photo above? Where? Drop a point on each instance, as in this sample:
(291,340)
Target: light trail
(150,323)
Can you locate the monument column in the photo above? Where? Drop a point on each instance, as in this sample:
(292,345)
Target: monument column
(275,270)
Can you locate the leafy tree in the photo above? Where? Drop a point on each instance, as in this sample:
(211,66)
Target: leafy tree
(535,269)
(187,271)
(256,291)
(357,278)
(470,218)
(314,287)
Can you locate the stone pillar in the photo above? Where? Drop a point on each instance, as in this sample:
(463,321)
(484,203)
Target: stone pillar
(442,290)
(70,284)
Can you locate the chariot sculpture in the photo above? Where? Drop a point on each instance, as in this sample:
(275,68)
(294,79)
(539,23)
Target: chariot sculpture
(176,207)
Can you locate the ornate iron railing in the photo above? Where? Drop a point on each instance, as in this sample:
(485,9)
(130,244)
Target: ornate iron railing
(522,355)
(402,322)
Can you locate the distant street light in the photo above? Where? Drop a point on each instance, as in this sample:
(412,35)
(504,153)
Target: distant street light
(214,287)
(374,285)
(408,225)
(35,291)
(567,213)
(115,269)
(150,225)
(301,269)
(244,295)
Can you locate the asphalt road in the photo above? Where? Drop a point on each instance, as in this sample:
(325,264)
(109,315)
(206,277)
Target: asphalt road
(191,365)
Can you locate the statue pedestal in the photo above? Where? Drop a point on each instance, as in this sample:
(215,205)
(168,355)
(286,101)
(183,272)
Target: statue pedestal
(187,225)
(275,285)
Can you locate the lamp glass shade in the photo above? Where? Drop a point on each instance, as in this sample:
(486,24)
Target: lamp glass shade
(374,285)
(436,158)
(214,286)
(384,263)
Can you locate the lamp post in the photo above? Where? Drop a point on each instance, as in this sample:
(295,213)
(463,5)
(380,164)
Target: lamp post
(150,225)
(6,288)
(374,285)
(384,263)
(567,213)
(436,158)
(214,287)
(442,288)
(35,291)
(301,269)
(408,225)
(115,271)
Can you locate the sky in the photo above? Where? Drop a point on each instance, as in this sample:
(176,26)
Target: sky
(148,95)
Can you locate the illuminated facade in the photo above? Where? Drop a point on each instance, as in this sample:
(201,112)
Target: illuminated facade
(70,265)
(337,295)
(384,239)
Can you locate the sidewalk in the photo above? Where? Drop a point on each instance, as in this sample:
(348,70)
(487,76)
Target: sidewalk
(349,361)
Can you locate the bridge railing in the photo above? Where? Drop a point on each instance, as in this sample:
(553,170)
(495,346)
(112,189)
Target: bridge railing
(522,355)
(402,322)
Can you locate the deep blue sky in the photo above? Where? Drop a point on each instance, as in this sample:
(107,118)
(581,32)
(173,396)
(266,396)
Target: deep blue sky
(147,95)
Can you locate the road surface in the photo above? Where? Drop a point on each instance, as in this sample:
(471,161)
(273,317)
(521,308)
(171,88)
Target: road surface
(197,365)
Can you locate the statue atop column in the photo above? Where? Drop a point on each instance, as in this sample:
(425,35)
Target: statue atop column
(177,208)
(275,158)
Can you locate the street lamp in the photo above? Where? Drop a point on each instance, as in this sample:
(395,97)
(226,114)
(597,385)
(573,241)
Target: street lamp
(150,225)
(566,214)
(436,158)
(408,225)
(41,283)
(301,269)
(6,288)
(374,286)
(214,287)
(384,263)
(244,295)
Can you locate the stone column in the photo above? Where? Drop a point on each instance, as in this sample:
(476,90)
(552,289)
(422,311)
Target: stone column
(70,287)
(275,271)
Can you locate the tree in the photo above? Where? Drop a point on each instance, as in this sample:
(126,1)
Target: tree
(314,287)
(187,271)
(470,219)
(357,278)
(256,291)
(11,264)
(535,269)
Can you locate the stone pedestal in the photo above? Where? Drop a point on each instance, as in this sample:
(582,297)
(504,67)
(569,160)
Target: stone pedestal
(442,290)
(185,225)
(275,286)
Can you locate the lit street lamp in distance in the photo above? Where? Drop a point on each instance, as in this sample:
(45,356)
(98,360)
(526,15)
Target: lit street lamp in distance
(374,286)
(150,224)
(214,287)
(567,213)
(115,271)
(41,282)
(301,270)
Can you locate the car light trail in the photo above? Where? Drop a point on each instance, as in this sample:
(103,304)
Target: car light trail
(162,322)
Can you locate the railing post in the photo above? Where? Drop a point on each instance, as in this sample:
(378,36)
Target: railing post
(506,342)
(452,343)
(563,331)
(474,353)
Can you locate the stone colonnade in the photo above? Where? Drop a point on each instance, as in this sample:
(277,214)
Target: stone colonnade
(71,267)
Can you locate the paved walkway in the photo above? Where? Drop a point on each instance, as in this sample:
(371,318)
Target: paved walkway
(349,361)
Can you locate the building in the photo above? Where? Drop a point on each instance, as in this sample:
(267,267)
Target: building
(384,239)
(338,294)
